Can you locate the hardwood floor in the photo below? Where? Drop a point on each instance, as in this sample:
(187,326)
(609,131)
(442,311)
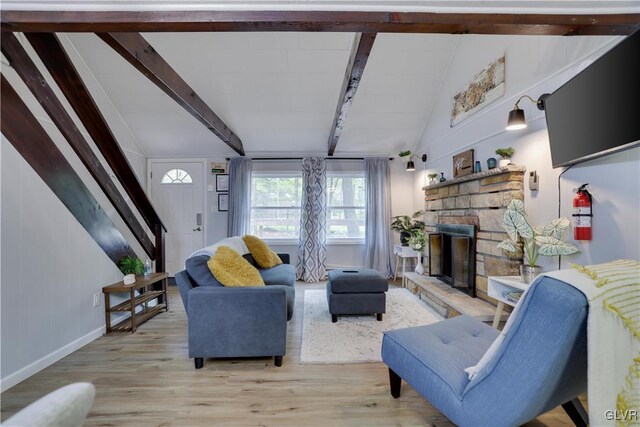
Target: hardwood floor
(146,379)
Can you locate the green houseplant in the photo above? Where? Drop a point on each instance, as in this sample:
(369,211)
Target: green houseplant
(405,224)
(536,241)
(432,178)
(505,155)
(130,267)
(418,240)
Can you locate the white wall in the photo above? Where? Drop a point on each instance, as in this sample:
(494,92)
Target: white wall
(535,65)
(338,254)
(51,267)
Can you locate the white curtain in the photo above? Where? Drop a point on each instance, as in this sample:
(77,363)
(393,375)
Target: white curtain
(312,247)
(239,196)
(378,237)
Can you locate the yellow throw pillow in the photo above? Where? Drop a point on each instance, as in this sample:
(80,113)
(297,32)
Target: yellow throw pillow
(231,269)
(261,252)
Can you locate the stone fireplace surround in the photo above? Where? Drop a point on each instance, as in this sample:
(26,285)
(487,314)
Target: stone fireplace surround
(479,199)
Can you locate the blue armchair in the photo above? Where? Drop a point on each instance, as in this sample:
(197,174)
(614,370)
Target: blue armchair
(542,362)
(236,321)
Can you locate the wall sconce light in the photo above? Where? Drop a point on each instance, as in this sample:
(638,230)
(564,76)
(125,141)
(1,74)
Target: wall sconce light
(516,116)
(411,166)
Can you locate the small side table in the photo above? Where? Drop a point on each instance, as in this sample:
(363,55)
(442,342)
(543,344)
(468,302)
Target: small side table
(404,252)
(153,286)
(496,285)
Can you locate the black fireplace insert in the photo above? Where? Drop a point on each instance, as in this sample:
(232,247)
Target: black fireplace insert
(452,256)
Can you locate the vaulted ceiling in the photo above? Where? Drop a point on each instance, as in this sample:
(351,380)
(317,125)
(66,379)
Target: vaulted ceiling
(277,91)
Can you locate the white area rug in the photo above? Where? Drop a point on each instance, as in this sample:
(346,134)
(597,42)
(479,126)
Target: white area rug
(356,339)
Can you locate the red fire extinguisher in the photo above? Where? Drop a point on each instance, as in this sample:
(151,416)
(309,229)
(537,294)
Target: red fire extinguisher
(582,213)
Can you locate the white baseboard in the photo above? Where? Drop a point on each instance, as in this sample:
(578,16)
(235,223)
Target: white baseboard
(48,360)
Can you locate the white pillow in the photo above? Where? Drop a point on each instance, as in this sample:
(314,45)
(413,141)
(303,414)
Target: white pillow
(491,352)
(236,243)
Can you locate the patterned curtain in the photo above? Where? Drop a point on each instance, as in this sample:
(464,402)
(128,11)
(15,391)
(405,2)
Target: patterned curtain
(312,248)
(378,235)
(239,196)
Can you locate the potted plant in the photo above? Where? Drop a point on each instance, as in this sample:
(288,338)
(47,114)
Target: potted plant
(418,240)
(505,155)
(130,266)
(405,224)
(536,241)
(432,178)
(404,153)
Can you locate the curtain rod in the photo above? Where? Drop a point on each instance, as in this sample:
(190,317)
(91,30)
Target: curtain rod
(301,158)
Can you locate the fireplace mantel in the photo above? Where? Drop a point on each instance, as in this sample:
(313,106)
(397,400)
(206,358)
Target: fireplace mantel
(479,175)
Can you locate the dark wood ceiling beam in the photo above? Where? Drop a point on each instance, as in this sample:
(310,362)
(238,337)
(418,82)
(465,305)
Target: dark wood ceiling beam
(35,81)
(362,45)
(59,65)
(33,143)
(139,53)
(349,21)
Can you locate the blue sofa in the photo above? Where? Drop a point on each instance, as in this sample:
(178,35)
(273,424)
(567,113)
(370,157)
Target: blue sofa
(542,362)
(237,321)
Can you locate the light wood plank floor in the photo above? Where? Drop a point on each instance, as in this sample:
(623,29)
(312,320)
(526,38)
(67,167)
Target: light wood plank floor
(146,379)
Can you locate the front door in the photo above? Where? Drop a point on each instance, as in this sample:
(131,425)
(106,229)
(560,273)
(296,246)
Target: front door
(177,192)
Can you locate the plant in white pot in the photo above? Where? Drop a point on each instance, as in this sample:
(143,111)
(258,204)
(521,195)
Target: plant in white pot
(417,241)
(505,156)
(536,241)
(130,267)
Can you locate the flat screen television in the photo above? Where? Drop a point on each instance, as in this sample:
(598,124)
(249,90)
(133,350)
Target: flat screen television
(597,112)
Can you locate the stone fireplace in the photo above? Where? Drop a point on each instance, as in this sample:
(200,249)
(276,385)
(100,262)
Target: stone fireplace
(478,203)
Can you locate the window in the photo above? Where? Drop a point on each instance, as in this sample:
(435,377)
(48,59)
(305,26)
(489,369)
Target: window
(275,206)
(276,201)
(345,206)
(176,176)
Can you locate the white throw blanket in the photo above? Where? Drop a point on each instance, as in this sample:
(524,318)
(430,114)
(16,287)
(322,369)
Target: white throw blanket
(236,243)
(613,336)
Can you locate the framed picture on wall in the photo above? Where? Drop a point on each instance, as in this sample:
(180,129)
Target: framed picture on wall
(222,182)
(223,202)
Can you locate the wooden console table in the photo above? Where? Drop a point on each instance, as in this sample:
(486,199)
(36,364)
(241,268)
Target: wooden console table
(150,287)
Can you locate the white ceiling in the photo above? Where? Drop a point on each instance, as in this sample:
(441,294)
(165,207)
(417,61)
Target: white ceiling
(277,91)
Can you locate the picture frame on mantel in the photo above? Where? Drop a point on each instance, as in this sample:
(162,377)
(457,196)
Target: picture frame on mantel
(463,163)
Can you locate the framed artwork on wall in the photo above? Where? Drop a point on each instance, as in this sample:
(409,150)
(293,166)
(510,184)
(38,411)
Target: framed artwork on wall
(218,167)
(484,88)
(223,202)
(222,182)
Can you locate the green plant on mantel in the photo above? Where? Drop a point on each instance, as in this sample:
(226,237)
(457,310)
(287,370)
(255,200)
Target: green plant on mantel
(546,241)
(506,153)
(432,175)
(131,265)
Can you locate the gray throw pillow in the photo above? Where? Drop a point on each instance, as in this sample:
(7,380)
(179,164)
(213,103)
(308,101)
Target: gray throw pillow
(199,271)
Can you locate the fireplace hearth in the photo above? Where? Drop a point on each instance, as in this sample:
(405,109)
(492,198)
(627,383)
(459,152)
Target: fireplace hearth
(452,256)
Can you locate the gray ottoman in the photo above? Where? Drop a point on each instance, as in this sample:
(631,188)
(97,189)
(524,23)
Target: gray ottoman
(356,291)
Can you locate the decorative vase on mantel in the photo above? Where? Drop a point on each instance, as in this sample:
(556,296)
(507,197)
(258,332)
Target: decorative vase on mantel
(504,162)
(529,272)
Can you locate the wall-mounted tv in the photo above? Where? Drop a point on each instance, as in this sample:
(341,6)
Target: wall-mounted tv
(598,111)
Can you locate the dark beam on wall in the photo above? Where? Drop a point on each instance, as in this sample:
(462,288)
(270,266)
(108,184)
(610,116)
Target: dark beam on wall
(360,51)
(349,21)
(35,81)
(139,53)
(59,65)
(33,143)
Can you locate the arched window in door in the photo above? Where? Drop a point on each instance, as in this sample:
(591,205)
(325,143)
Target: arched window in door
(176,176)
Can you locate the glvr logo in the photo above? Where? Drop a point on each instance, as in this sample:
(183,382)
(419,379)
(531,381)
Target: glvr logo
(621,415)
